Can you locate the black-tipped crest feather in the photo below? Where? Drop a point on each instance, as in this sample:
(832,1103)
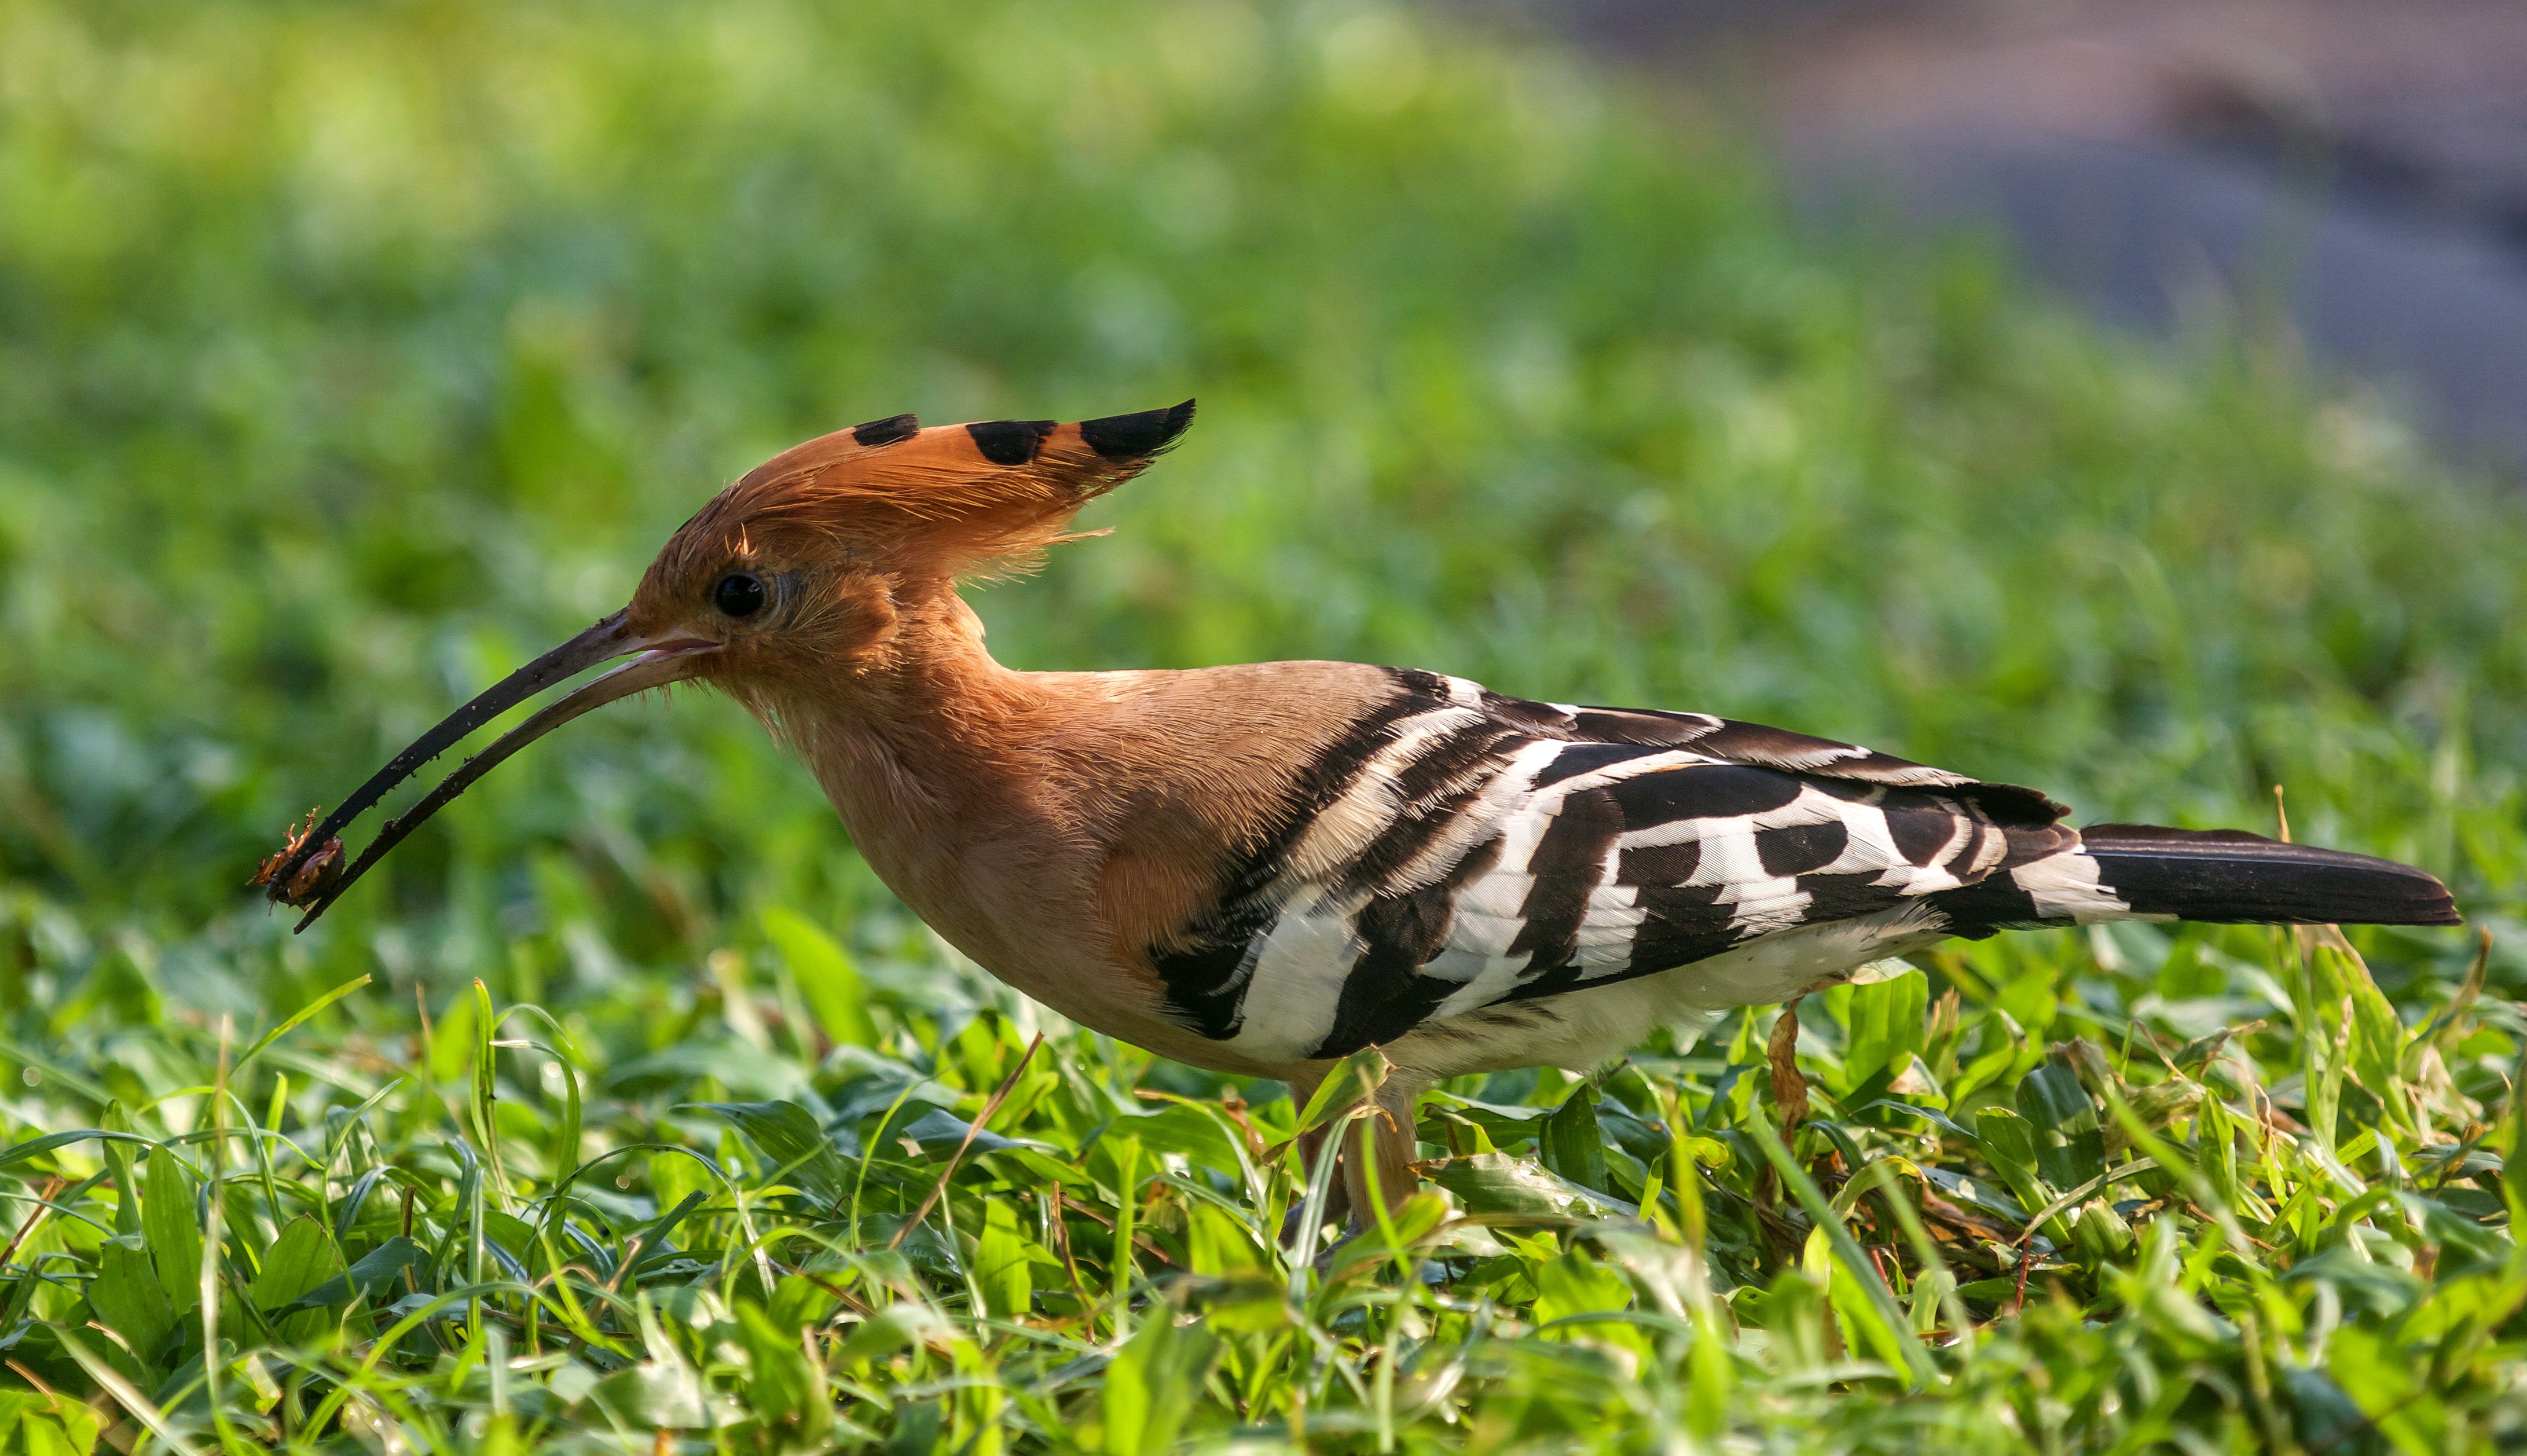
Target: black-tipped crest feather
(1139,435)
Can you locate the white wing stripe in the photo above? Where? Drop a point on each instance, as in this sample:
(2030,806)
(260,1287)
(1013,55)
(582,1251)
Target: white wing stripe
(2066,887)
(1298,982)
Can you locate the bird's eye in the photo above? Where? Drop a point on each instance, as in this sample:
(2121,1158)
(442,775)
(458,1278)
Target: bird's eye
(740,594)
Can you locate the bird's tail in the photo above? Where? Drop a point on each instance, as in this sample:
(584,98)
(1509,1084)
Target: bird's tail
(2139,872)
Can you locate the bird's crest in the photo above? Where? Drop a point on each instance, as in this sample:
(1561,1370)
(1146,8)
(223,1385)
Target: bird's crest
(958,499)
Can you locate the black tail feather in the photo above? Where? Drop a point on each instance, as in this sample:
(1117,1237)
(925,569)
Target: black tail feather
(2223,876)
(2232,877)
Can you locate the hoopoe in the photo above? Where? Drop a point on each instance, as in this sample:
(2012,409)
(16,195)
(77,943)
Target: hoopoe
(1263,869)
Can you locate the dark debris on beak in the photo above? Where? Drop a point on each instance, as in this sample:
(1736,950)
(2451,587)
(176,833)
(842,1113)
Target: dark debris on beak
(314,874)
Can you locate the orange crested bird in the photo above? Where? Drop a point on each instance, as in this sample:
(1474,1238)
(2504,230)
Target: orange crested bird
(1262,870)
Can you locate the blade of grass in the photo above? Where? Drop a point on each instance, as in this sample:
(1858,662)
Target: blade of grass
(1924,1371)
(138,1406)
(1927,1250)
(300,1017)
(214,1207)
(972,1129)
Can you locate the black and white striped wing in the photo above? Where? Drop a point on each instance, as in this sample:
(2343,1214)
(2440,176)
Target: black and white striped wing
(1459,849)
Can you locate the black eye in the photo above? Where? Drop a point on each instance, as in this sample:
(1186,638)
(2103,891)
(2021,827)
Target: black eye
(739,594)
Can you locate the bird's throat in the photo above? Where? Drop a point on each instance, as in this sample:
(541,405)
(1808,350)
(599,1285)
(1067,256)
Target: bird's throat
(935,756)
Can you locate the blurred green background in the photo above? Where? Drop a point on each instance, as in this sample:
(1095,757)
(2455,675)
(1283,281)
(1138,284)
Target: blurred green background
(350,355)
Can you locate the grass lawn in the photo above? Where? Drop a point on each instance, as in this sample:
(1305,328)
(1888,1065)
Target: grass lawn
(350,355)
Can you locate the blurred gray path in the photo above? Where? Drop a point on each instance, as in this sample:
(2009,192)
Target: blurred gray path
(2358,170)
(2149,231)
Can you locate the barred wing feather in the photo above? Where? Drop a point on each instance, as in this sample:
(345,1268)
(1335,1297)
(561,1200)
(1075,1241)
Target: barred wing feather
(1458,850)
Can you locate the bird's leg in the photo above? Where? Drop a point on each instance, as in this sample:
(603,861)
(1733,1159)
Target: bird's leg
(1383,1141)
(1790,1104)
(1338,1202)
(1311,1146)
(1789,1089)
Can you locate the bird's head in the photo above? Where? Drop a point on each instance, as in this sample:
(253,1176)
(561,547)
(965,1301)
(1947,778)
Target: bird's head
(802,566)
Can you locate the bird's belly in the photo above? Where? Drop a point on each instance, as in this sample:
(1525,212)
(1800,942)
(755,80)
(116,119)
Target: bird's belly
(1069,972)
(1584,1027)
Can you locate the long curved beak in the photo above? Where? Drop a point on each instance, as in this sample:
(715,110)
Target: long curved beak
(659,663)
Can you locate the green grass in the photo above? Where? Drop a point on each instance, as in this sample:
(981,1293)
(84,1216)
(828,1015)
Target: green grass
(349,355)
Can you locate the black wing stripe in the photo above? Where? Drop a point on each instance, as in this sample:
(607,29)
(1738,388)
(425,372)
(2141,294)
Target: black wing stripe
(1682,925)
(1659,866)
(1568,865)
(1711,791)
(1800,849)
(1924,834)
(1386,994)
(1587,758)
